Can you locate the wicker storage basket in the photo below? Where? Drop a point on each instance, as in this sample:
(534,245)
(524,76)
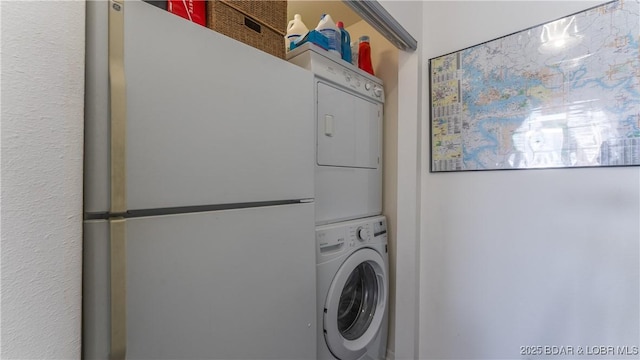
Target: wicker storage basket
(260,24)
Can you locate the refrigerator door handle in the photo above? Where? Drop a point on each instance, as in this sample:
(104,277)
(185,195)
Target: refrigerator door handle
(118,285)
(118,118)
(118,107)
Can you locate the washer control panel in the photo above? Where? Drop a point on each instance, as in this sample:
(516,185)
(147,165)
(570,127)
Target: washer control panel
(368,231)
(350,234)
(331,67)
(360,233)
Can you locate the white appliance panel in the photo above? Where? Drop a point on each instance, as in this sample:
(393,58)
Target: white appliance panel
(206,285)
(347,131)
(210,120)
(337,201)
(348,174)
(348,112)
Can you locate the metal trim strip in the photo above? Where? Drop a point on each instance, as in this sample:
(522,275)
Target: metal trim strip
(118,281)
(118,106)
(118,118)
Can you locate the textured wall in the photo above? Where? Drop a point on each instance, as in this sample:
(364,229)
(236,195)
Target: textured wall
(523,258)
(41,167)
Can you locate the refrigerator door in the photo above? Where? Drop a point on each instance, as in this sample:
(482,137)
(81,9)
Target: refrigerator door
(210,120)
(233,284)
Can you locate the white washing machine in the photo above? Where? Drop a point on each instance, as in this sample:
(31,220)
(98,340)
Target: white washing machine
(348,111)
(353,289)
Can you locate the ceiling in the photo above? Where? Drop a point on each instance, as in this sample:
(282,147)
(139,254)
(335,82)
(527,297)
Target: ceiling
(311,10)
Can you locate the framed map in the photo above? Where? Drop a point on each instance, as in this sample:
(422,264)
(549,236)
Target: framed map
(562,94)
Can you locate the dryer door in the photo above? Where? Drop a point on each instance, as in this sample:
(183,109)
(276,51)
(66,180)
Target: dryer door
(347,129)
(355,304)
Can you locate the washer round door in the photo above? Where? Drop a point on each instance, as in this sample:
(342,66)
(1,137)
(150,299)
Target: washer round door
(355,304)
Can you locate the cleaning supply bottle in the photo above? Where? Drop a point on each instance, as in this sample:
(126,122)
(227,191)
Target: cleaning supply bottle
(364,55)
(354,52)
(328,28)
(345,42)
(296,29)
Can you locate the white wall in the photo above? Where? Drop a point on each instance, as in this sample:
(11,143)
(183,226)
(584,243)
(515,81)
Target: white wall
(517,258)
(403,338)
(41,200)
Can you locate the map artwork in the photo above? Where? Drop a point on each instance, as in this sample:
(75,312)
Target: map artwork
(562,94)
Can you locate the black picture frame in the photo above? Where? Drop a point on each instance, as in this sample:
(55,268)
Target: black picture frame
(489,112)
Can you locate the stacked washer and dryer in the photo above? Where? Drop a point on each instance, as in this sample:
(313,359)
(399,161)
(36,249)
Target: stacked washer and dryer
(351,235)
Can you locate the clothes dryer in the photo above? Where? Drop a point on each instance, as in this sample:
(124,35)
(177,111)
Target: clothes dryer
(348,111)
(353,289)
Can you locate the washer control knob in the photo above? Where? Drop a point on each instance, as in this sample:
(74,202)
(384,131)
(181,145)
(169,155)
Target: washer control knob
(361,234)
(377,91)
(367,86)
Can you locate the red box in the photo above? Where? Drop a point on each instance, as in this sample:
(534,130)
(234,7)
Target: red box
(192,10)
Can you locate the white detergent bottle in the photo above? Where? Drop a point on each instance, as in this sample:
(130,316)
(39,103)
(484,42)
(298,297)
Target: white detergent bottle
(328,28)
(296,29)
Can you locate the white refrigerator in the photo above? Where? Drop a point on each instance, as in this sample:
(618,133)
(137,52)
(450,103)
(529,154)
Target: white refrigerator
(199,212)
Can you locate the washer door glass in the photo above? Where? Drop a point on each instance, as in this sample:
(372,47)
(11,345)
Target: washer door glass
(358,302)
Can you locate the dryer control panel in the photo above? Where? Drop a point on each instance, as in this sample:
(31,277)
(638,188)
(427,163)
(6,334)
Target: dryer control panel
(331,67)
